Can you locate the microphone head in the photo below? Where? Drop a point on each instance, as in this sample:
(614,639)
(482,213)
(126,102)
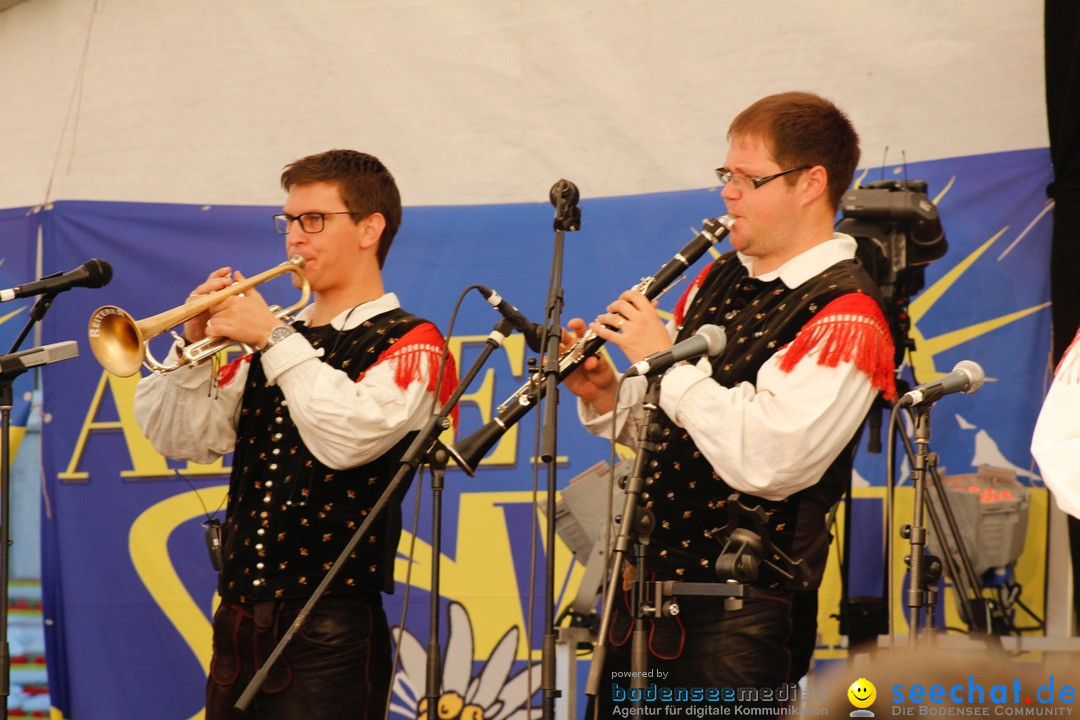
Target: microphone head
(974,372)
(564,190)
(715,338)
(98,273)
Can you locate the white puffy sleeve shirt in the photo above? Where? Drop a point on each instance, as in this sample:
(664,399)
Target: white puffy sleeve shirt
(1055,443)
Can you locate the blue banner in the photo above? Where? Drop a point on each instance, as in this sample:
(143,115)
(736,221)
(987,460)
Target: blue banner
(129,587)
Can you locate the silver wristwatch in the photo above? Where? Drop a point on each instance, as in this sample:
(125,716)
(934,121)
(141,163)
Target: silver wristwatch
(277,335)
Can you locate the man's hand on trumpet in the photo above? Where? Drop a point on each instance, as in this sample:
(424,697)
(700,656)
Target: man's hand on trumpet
(195,327)
(244,318)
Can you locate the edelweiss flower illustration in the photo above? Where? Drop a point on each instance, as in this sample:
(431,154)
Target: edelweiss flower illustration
(491,695)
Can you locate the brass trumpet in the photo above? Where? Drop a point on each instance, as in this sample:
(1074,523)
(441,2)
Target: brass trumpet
(120,343)
(469,451)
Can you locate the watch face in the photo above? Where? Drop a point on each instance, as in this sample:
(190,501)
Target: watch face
(277,335)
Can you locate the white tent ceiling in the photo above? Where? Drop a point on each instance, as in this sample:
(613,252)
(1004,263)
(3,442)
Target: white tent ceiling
(470,101)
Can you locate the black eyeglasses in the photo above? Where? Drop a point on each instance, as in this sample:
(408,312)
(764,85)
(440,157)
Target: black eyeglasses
(309,222)
(740,181)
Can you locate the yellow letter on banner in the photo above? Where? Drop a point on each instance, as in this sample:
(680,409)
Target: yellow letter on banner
(145,461)
(505,451)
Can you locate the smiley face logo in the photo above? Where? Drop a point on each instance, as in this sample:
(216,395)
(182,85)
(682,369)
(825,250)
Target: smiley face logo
(862,693)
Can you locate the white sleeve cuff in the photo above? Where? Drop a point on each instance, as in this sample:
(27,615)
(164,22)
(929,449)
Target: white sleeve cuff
(677,382)
(287,354)
(633,389)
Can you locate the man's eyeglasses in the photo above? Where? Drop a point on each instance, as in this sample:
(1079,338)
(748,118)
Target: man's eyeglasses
(309,222)
(744,182)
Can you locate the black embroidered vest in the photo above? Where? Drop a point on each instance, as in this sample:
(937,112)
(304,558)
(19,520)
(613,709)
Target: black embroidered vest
(686,494)
(289,515)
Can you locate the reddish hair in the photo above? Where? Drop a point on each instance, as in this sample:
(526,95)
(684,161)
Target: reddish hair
(801,128)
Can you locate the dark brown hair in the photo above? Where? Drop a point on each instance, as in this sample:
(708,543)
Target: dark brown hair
(801,128)
(366,186)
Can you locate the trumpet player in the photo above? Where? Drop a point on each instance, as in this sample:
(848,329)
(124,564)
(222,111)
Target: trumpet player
(773,417)
(318,419)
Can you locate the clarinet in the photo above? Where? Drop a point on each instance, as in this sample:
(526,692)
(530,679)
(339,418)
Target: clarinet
(470,450)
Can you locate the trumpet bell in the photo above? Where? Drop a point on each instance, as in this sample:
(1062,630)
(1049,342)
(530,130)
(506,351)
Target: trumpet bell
(116,341)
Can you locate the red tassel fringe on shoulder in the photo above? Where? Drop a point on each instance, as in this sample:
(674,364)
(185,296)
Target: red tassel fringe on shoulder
(851,328)
(423,344)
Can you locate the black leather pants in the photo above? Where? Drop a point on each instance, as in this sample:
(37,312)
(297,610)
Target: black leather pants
(336,666)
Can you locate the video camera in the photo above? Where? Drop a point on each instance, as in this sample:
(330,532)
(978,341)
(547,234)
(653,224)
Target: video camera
(899,233)
(898,230)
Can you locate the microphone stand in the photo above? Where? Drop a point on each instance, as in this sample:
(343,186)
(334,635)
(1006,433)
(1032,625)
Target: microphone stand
(963,573)
(433,688)
(7,380)
(916,532)
(426,447)
(564,196)
(635,527)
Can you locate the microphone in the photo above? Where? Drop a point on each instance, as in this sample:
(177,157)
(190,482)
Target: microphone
(966,377)
(564,191)
(564,196)
(529,329)
(708,340)
(19,362)
(92,274)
